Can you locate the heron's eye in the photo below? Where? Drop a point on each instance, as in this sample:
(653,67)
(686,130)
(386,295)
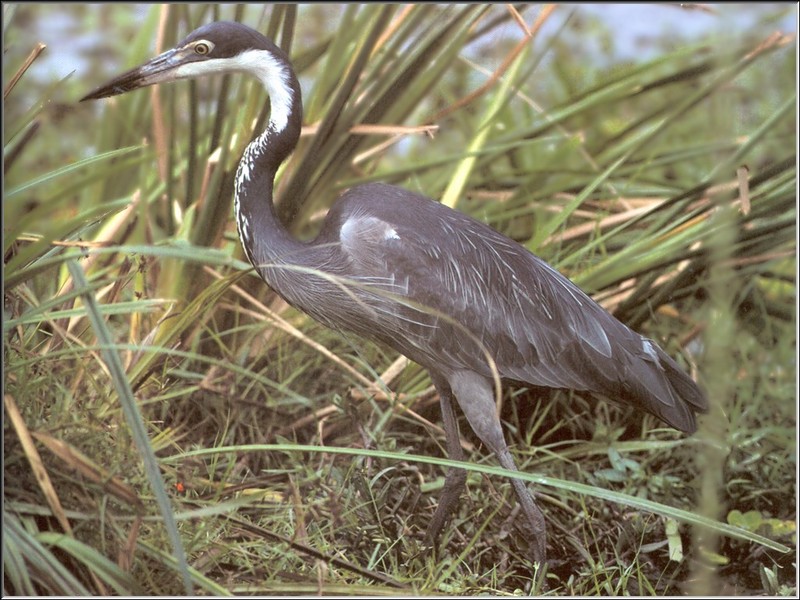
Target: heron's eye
(202,48)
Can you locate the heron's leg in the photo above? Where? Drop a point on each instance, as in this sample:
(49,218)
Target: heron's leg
(456,478)
(474,394)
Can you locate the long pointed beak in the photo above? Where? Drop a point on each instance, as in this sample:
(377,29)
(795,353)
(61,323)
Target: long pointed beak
(156,70)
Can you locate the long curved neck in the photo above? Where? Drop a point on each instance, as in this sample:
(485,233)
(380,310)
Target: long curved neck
(266,241)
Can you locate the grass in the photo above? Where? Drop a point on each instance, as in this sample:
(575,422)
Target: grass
(151,379)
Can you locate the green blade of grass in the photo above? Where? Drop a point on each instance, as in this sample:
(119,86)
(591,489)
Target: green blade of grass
(455,189)
(135,421)
(196,577)
(57,173)
(788,107)
(122,582)
(149,355)
(118,308)
(182,251)
(30,567)
(579,488)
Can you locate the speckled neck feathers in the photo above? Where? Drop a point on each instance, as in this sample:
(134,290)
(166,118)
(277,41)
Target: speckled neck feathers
(260,161)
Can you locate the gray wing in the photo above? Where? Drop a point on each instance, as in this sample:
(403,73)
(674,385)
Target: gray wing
(468,291)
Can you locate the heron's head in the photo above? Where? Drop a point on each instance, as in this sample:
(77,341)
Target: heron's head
(216,48)
(220,47)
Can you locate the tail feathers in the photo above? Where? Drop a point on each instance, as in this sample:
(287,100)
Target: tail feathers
(682,384)
(638,374)
(662,388)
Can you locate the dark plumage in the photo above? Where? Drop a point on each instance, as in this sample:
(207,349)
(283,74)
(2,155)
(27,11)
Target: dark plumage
(449,292)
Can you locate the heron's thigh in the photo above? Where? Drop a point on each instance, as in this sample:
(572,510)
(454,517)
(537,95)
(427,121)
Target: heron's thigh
(474,394)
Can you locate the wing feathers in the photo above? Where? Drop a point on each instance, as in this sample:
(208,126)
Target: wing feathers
(538,326)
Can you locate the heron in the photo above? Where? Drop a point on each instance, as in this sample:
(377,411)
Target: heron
(468,304)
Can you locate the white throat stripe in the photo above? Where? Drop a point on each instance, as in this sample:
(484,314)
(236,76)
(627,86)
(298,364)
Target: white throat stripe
(262,65)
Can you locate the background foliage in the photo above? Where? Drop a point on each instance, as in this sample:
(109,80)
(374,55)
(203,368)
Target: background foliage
(165,412)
